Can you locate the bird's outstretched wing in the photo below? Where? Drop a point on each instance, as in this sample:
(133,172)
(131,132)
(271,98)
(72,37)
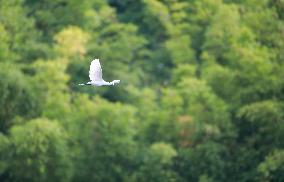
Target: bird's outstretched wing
(95,72)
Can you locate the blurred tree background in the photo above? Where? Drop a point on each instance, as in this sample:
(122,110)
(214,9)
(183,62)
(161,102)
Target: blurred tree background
(201,95)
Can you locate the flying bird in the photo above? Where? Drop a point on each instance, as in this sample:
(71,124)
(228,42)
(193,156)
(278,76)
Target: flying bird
(96,75)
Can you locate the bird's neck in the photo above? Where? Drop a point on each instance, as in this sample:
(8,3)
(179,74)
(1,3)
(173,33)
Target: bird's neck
(115,82)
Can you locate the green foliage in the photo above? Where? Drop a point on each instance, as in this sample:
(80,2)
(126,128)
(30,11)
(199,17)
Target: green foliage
(17,98)
(156,19)
(220,35)
(51,90)
(180,51)
(209,113)
(219,77)
(39,152)
(110,127)
(271,169)
(71,42)
(52,16)
(163,152)
(22,36)
(206,160)
(182,71)
(259,120)
(156,164)
(4,48)
(4,146)
(200,98)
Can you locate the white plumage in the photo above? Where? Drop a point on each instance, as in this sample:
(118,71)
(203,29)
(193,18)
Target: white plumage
(95,72)
(96,75)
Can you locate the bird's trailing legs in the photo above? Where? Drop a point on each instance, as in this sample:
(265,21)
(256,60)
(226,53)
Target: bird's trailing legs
(88,83)
(114,82)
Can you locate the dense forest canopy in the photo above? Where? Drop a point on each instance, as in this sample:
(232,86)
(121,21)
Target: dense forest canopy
(201,96)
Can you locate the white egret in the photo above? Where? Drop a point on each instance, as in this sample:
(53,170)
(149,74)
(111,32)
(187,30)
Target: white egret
(95,75)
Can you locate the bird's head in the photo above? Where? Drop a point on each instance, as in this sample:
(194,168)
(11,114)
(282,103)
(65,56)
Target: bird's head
(115,82)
